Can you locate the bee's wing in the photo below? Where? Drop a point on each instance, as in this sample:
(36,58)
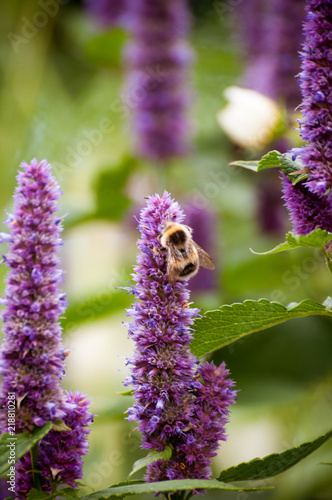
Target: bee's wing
(204,258)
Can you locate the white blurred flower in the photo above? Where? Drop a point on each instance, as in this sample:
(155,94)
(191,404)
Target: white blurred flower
(250,118)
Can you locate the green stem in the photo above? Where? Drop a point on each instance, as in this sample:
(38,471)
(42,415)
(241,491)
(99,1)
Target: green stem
(35,472)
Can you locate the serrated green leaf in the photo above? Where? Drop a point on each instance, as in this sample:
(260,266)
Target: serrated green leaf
(271,465)
(153,456)
(229,323)
(249,165)
(316,239)
(165,486)
(23,443)
(274,159)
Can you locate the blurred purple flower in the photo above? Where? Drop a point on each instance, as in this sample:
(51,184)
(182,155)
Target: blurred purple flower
(271,214)
(107,12)
(32,355)
(272,36)
(178,403)
(157,85)
(307,210)
(315,83)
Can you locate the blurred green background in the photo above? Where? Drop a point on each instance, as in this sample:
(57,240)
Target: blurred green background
(60,83)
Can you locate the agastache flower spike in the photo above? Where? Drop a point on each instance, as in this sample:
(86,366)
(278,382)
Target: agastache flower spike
(315,83)
(307,210)
(157,59)
(178,402)
(32,355)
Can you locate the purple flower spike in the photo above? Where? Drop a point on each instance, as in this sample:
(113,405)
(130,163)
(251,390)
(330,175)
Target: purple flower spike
(158,58)
(178,403)
(307,210)
(32,355)
(315,83)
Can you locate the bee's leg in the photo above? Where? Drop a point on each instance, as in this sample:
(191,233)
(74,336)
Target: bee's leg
(161,249)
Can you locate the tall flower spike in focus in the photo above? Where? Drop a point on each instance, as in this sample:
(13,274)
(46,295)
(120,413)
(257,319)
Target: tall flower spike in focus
(32,355)
(307,210)
(316,107)
(157,84)
(179,403)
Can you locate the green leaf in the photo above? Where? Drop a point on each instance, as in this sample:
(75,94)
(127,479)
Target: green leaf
(60,426)
(165,454)
(111,198)
(274,159)
(165,486)
(23,443)
(229,323)
(271,160)
(249,165)
(110,188)
(316,239)
(271,465)
(126,393)
(67,492)
(38,495)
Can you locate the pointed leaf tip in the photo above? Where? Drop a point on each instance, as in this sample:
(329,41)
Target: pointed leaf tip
(165,454)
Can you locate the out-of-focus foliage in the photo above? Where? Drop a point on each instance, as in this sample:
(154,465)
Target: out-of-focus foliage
(60,85)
